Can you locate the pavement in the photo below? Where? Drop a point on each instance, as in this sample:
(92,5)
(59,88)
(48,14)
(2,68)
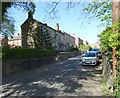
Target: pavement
(62,78)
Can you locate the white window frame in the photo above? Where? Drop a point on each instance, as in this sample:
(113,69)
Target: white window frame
(56,36)
(52,34)
(65,37)
(44,30)
(70,38)
(62,38)
(53,44)
(56,45)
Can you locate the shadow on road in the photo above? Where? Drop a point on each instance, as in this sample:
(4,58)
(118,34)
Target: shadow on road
(64,78)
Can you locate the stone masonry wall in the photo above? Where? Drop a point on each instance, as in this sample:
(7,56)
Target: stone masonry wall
(106,68)
(13,66)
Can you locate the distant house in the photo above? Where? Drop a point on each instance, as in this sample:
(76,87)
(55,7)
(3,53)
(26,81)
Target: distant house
(15,40)
(85,42)
(78,41)
(3,41)
(97,44)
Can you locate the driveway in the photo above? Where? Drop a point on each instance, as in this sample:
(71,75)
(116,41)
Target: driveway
(62,78)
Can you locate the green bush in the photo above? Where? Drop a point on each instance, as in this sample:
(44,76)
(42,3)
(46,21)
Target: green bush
(19,53)
(110,40)
(72,49)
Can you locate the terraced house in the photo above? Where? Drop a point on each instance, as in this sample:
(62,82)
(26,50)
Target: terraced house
(60,40)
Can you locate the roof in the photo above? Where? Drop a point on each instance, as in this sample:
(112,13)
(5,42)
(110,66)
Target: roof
(38,22)
(16,37)
(48,27)
(60,31)
(44,24)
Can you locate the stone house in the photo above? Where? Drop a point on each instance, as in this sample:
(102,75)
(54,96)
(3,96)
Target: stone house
(60,40)
(85,42)
(78,41)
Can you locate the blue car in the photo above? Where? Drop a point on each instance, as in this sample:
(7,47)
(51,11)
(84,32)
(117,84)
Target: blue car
(97,51)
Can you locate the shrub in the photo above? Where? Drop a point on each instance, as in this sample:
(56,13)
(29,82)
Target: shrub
(19,53)
(72,49)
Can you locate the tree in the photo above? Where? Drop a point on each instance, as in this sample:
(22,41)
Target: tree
(102,10)
(7,25)
(110,40)
(81,47)
(42,39)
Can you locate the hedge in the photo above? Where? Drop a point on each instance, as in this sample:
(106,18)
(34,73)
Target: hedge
(20,53)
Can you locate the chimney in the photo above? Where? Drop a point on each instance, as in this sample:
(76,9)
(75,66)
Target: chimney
(45,24)
(30,14)
(57,26)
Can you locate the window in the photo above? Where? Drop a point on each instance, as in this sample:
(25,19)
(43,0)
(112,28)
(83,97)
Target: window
(52,34)
(15,40)
(60,46)
(56,36)
(90,55)
(64,48)
(44,30)
(56,45)
(65,37)
(53,44)
(70,38)
(62,38)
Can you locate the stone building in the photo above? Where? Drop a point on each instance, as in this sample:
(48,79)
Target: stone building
(78,41)
(60,40)
(85,42)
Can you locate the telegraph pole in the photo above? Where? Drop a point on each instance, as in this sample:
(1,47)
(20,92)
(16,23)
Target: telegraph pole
(115,17)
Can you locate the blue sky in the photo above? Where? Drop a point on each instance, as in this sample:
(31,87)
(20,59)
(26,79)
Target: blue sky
(71,21)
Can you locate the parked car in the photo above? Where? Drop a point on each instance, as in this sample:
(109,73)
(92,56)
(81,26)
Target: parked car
(98,52)
(90,58)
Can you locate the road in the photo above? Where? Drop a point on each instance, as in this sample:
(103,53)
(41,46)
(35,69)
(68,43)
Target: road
(62,78)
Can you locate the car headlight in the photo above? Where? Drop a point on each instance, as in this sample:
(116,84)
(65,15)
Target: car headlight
(83,59)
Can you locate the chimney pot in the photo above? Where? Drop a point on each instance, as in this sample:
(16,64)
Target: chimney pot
(57,26)
(45,24)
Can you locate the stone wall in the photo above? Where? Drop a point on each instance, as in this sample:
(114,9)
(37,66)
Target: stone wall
(66,55)
(13,66)
(106,68)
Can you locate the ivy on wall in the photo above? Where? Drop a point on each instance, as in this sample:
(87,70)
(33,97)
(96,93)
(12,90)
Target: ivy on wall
(110,40)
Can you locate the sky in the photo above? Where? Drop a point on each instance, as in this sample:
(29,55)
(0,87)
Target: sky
(73,21)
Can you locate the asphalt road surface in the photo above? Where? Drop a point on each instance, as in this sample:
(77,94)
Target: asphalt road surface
(62,78)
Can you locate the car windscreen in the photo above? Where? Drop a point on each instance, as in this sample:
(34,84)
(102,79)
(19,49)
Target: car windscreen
(95,49)
(98,52)
(89,55)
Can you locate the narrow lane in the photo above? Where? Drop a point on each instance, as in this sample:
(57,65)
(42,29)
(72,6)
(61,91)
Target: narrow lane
(63,78)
